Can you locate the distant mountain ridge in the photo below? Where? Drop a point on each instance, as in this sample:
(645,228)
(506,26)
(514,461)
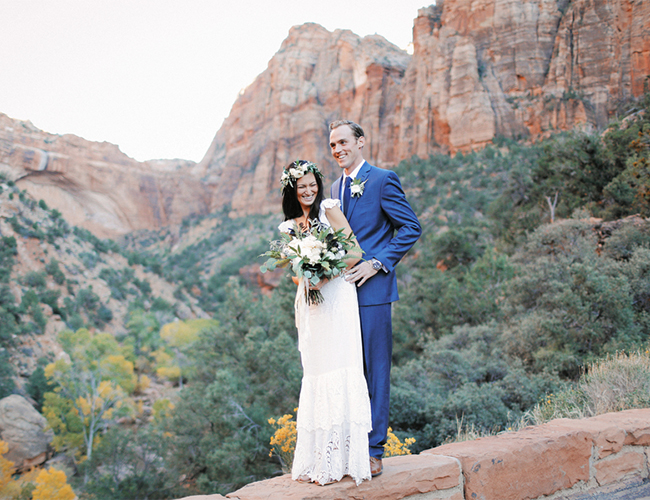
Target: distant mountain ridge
(480,69)
(96,186)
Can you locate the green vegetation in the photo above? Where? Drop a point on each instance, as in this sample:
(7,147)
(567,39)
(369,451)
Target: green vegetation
(615,383)
(89,391)
(519,303)
(9,314)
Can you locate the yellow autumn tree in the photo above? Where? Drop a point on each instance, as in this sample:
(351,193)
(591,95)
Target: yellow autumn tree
(6,467)
(10,487)
(91,390)
(172,362)
(182,333)
(52,485)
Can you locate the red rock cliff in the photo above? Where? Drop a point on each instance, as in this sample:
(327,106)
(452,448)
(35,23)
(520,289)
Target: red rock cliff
(95,185)
(314,78)
(480,69)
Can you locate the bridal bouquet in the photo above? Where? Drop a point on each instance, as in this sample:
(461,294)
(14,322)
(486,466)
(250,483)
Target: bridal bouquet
(315,254)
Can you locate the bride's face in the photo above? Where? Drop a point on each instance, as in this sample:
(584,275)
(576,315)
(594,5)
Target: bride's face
(306,189)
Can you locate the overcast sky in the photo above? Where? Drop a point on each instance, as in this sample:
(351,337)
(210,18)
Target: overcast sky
(158,77)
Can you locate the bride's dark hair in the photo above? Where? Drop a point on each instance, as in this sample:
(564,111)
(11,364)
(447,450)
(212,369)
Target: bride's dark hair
(290,204)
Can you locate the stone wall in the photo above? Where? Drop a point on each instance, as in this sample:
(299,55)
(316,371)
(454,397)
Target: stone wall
(570,459)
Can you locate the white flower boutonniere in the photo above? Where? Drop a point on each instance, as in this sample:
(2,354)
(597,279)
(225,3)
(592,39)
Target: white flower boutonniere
(357,187)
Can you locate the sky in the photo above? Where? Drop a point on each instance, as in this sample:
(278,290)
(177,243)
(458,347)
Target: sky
(158,77)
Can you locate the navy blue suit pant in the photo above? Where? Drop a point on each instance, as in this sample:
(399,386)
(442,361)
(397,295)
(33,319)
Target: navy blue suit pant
(377,337)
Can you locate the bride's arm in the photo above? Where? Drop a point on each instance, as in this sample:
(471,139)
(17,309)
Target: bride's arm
(338,221)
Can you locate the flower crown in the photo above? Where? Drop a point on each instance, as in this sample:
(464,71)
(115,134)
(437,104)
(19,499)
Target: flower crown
(296,170)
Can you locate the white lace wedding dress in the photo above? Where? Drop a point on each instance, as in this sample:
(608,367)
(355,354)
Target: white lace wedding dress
(334,409)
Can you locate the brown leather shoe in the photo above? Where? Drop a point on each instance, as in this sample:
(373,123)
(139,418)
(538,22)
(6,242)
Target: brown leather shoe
(376,466)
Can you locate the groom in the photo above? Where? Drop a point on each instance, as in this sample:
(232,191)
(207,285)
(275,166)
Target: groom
(386,228)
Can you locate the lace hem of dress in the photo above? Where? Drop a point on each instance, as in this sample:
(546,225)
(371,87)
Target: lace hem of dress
(333,399)
(325,455)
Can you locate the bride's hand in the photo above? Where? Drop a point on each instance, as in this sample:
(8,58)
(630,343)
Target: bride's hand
(318,285)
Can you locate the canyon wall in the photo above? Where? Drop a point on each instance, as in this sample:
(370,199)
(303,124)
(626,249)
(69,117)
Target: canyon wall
(480,69)
(96,186)
(315,78)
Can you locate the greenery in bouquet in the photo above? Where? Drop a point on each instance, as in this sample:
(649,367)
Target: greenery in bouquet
(314,255)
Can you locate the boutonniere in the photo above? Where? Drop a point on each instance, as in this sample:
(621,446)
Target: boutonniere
(357,187)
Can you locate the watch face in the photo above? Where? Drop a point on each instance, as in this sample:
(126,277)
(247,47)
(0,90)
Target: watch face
(376,265)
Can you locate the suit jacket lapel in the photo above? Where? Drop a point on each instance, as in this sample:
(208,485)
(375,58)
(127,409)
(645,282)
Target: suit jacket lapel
(363,175)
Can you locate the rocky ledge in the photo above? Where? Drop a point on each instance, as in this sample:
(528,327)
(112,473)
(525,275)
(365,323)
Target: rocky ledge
(592,458)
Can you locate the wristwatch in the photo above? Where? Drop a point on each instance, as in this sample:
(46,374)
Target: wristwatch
(376,265)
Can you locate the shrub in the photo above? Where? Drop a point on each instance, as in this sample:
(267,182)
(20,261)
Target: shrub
(52,268)
(38,385)
(89,259)
(615,383)
(35,279)
(283,441)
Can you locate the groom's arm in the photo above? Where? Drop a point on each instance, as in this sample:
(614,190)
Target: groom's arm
(401,215)
(403,219)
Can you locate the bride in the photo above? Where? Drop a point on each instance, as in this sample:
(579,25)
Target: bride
(333,418)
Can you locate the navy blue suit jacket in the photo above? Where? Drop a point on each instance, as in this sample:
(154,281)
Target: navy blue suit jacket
(385,226)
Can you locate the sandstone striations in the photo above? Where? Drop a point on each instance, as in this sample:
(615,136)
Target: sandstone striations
(480,69)
(95,185)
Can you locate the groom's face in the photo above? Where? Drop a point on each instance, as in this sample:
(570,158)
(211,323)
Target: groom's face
(346,149)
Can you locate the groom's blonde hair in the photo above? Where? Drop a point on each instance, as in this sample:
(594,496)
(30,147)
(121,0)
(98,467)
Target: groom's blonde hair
(356,128)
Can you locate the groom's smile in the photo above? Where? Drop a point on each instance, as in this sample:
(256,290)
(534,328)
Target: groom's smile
(346,148)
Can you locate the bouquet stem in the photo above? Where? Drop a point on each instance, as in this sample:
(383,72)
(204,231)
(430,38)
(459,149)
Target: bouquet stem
(315,297)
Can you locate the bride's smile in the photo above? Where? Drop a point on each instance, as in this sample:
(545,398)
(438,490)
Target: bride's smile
(307,189)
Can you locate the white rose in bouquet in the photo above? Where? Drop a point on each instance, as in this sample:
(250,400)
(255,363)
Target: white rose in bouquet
(312,248)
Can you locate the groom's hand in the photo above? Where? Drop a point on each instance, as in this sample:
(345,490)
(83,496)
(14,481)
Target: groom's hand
(361,273)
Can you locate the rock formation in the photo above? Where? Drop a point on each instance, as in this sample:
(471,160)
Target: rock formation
(314,78)
(24,430)
(483,68)
(480,69)
(96,186)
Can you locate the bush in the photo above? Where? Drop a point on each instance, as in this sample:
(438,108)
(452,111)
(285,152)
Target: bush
(133,464)
(615,383)
(52,268)
(118,281)
(38,384)
(89,259)
(35,279)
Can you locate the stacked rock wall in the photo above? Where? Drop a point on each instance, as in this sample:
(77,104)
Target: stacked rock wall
(604,457)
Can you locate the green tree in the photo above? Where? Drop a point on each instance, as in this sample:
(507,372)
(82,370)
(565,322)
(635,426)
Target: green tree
(247,369)
(132,464)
